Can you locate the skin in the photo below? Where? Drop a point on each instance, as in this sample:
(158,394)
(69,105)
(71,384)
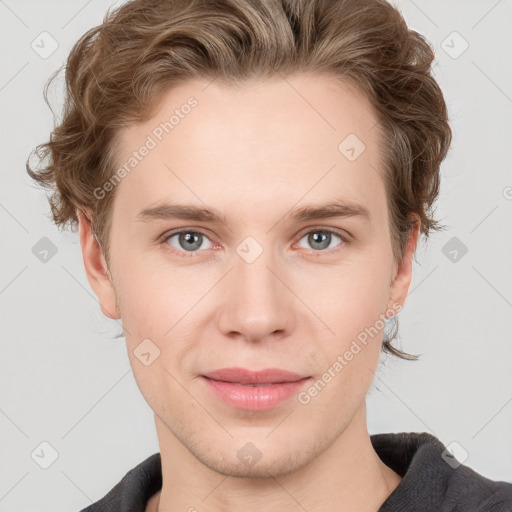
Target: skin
(254,152)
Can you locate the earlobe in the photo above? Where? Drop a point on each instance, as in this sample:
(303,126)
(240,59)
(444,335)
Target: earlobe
(400,286)
(96,267)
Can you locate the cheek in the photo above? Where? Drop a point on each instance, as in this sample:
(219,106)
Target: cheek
(149,313)
(352,306)
(150,297)
(349,358)
(154,304)
(353,296)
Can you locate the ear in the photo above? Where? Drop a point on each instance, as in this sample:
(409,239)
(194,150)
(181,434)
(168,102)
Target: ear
(96,268)
(400,285)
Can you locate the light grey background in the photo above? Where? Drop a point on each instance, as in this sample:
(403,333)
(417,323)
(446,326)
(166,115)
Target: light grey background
(66,382)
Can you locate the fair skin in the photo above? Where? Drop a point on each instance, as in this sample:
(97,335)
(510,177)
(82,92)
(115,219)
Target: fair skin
(254,153)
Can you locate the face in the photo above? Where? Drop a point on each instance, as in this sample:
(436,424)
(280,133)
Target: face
(262,286)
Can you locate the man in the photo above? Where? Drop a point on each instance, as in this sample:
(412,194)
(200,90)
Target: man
(250,180)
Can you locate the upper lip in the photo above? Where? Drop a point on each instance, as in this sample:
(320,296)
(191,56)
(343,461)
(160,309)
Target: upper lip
(245,376)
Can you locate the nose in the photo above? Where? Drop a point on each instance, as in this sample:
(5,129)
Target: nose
(256,303)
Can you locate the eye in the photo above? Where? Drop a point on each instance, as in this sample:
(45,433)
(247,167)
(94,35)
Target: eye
(185,241)
(189,241)
(320,239)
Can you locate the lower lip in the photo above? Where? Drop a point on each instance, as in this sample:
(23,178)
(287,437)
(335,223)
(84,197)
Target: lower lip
(256,398)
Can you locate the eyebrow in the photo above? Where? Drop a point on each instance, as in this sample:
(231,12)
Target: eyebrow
(339,208)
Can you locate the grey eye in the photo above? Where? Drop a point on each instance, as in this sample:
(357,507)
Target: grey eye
(189,241)
(320,239)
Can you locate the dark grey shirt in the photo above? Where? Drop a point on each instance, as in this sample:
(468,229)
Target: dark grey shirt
(431,480)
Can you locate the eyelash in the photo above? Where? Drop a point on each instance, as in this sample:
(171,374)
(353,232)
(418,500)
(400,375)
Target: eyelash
(184,254)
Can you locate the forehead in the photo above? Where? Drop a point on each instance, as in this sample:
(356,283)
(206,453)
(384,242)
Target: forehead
(270,142)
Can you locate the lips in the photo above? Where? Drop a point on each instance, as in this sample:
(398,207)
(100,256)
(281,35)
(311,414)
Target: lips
(259,378)
(254,390)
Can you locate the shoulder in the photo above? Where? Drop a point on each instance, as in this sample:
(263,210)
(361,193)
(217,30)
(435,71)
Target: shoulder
(433,479)
(475,492)
(134,490)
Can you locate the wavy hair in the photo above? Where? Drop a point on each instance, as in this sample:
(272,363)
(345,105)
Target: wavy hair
(117,72)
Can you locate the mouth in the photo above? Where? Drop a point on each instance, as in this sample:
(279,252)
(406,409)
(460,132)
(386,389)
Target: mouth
(244,376)
(266,384)
(254,390)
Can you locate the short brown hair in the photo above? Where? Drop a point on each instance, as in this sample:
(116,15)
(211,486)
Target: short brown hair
(117,72)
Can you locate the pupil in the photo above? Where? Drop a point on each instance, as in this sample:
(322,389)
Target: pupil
(320,237)
(189,238)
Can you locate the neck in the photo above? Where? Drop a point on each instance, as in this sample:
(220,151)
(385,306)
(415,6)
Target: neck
(347,476)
